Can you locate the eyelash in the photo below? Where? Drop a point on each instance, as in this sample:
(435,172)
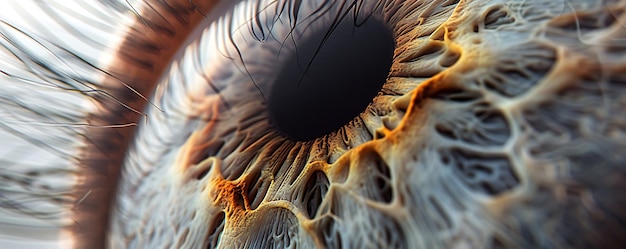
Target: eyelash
(262,26)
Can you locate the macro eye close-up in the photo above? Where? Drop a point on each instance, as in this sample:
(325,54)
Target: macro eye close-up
(313,124)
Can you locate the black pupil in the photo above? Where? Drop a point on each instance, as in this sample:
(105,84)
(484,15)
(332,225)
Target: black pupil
(344,76)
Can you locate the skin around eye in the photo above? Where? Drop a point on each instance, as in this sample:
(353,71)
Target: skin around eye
(500,125)
(48,76)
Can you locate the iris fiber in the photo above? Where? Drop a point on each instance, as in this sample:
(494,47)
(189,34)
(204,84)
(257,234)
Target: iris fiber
(499,124)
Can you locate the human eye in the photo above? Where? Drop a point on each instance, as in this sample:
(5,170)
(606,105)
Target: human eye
(321,123)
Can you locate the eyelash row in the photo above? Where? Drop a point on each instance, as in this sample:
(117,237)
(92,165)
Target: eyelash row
(264,18)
